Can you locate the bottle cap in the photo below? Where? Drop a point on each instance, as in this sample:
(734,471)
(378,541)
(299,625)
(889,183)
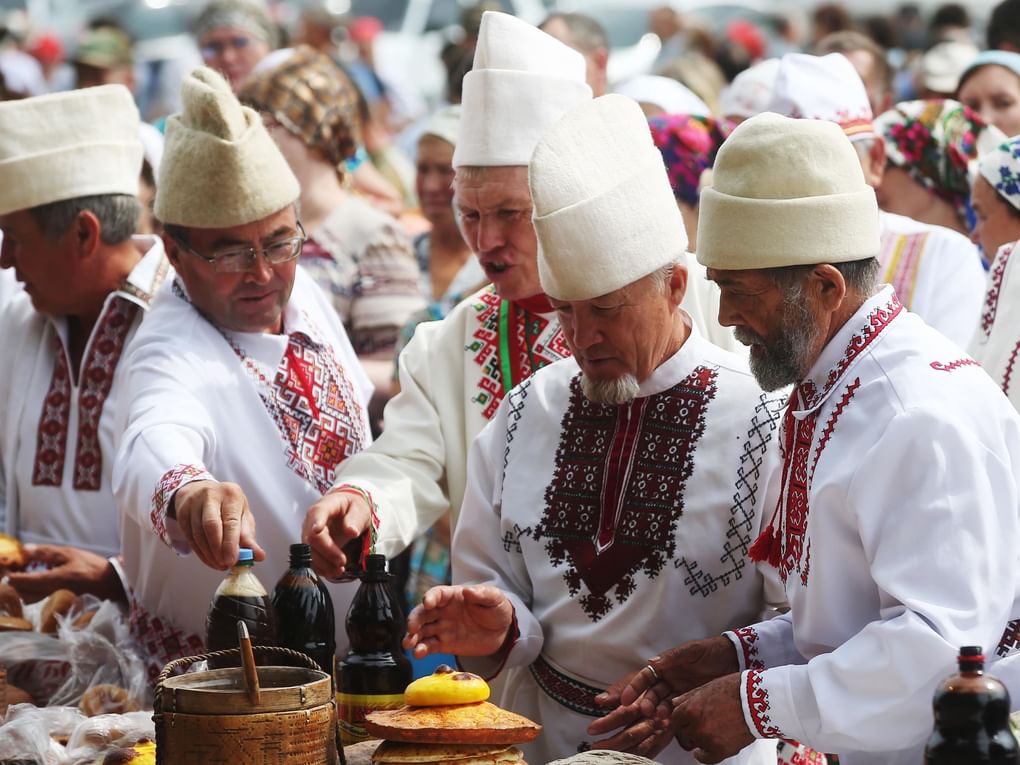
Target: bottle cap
(376,562)
(301,548)
(245,554)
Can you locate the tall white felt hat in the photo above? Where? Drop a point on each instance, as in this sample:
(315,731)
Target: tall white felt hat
(220,166)
(604,211)
(823,88)
(68,145)
(786,192)
(522,81)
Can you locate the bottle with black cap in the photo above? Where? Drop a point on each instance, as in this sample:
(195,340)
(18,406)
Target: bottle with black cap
(303,611)
(971,718)
(375,671)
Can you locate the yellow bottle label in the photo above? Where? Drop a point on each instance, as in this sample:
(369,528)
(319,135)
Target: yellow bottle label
(352,708)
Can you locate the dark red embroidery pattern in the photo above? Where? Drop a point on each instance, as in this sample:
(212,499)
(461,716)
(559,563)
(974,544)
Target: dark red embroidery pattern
(950,366)
(51,441)
(97,378)
(105,348)
(617,491)
(565,690)
(316,410)
(533,331)
(160,640)
(994,290)
(758,704)
(170,482)
(1010,640)
(1007,378)
(748,638)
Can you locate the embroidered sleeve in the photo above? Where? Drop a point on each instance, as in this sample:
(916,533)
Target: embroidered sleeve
(171,481)
(754,698)
(745,641)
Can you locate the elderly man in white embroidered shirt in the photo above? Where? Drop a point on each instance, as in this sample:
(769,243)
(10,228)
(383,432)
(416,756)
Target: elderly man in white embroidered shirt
(244,393)
(896,529)
(69,166)
(612,499)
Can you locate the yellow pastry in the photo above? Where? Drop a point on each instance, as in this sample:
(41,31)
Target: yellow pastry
(446,686)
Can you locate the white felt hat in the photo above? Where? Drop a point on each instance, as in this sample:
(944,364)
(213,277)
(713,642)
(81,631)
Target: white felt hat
(604,211)
(220,166)
(823,88)
(68,145)
(521,82)
(751,90)
(670,95)
(786,192)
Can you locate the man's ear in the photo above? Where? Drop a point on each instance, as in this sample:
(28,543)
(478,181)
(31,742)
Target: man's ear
(875,170)
(173,252)
(678,283)
(830,286)
(87,234)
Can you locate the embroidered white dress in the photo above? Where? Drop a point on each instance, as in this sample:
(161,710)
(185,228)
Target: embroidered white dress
(996,344)
(58,428)
(274,414)
(936,272)
(897,538)
(617,532)
(453,375)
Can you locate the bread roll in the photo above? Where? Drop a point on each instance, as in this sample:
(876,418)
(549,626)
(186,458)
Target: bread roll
(57,604)
(12,554)
(15,624)
(10,601)
(106,700)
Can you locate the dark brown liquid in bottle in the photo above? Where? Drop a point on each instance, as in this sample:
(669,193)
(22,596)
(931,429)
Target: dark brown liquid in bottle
(240,597)
(971,718)
(375,672)
(303,611)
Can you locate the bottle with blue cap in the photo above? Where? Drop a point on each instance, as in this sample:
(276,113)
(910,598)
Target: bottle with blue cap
(240,597)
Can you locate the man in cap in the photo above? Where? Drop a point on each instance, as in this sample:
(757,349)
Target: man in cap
(244,393)
(585,35)
(612,499)
(69,167)
(896,528)
(454,374)
(104,57)
(936,271)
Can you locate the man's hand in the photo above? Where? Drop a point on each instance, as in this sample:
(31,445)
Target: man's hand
(710,720)
(69,568)
(644,736)
(464,620)
(677,671)
(332,522)
(216,521)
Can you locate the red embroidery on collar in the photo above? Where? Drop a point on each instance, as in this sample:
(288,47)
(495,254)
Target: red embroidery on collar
(759,707)
(991,306)
(51,439)
(1007,378)
(538,342)
(617,491)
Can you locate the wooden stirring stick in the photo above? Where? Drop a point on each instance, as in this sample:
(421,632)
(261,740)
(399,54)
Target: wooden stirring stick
(251,673)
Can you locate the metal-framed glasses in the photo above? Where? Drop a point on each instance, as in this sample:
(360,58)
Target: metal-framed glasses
(237,259)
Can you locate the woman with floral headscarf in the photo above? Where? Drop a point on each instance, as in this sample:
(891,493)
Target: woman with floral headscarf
(929,147)
(996,202)
(356,253)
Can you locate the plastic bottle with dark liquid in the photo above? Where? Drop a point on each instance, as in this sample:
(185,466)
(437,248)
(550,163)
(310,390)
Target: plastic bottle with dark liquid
(240,597)
(303,611)
(375,671)
(971,718)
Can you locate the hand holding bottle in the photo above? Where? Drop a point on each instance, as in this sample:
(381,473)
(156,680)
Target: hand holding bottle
(331,525)
(469,620)
(217,522)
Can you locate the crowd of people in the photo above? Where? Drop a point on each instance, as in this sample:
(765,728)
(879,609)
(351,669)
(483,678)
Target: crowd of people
(687,402)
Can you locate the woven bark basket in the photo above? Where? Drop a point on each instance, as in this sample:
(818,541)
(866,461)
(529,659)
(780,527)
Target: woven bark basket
(207,717)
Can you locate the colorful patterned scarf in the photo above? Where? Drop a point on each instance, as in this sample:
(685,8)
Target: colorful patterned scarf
(1001,168)
(688,144)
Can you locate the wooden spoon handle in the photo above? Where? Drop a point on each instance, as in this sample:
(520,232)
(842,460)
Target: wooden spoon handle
(251,673)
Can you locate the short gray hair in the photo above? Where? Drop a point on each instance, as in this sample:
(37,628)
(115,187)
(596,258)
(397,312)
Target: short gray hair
(587,34)
(660,277)
(117,213)
(860,275)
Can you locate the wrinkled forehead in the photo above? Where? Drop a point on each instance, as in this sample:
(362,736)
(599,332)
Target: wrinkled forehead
(493,188)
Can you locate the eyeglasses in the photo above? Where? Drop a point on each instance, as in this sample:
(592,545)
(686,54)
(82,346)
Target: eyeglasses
(238,259)
(217,47)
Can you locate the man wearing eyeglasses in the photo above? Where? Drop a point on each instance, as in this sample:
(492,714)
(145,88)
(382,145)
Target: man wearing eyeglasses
(69,165)
(244,395)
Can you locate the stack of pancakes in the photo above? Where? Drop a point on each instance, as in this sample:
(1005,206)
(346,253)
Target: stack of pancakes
(433,729)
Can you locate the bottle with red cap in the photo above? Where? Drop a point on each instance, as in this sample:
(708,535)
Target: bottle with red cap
(971,718)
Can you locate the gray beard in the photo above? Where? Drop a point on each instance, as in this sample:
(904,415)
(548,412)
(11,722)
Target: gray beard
(622,390)
(790,354)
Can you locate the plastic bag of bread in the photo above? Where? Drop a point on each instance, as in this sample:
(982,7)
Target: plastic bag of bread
(35,735)
(97,735)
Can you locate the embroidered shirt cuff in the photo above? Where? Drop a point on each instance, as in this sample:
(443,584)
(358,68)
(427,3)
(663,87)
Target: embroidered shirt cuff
(745,641)
(756,702)
(490,666)
(166,528)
